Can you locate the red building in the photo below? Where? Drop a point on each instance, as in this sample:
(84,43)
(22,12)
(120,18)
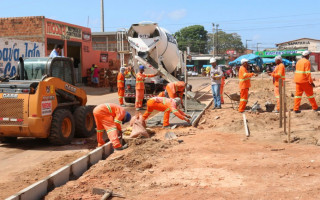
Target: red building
(76,40)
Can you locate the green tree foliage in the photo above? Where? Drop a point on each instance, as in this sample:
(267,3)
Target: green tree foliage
(194,37)
(225,41)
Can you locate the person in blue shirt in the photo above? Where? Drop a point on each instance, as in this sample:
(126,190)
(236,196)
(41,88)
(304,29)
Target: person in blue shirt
(56,51)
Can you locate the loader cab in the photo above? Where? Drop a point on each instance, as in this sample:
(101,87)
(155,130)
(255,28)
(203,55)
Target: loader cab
(36,68)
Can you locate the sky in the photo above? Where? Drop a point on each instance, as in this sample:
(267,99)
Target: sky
(265,22)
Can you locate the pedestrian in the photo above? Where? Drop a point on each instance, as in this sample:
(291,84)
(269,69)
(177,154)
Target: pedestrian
(293,65)
(140,86)
(304,83)
(278,74)
(121,85)
(165,105)
(109,117)
(56,52)
(215,75)
(244,84)
(95,76)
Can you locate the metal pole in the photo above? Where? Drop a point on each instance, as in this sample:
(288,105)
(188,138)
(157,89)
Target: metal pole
(217,45)
(280,96)
(214,52)
(289,139)
(102,16)
(258,46)
(185,80)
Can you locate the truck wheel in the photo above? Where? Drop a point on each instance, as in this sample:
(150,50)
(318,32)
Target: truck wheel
(129,100)
(84,121)
(8,139)
(62,127)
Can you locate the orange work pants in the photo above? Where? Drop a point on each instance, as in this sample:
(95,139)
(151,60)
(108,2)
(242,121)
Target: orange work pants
(151,107)
(277,95)
(221,90)
(121,95)
(139,97)
(243,99)
(105,122)
(307,88)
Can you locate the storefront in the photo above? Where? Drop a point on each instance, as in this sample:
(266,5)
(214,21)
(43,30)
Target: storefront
(76,41)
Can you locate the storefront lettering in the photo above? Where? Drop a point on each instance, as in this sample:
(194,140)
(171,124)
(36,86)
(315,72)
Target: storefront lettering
(294,44)
(272,53)
(12,50)
(65,32)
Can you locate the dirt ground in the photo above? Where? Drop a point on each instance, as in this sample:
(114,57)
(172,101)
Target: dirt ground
(216,160)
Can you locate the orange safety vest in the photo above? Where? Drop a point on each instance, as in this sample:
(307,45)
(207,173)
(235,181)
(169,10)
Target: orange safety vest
(117,112)
(120,80)
(244,78)
(278,73)
(303,71)
(167,104)
(140,79)
(174,88)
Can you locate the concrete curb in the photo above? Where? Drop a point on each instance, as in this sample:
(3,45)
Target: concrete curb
(196,120)
(60,177)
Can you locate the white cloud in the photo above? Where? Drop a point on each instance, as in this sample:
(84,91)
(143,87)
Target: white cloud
(177,14)
(155,15)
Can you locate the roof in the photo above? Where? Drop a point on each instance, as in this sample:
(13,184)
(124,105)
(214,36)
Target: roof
(297,40)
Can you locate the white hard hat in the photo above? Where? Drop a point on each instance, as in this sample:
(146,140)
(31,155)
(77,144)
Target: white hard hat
(177,100)
(278,58)
(212,60)
(243,60)
(305,53)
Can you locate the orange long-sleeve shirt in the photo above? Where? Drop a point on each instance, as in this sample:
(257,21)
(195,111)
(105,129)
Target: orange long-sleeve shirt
(244,78)
(278,73)
(163,103)
(117,112)
(303,71)
(140,79)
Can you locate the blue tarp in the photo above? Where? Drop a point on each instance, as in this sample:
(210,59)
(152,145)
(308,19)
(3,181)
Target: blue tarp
(271,60)
(253,59)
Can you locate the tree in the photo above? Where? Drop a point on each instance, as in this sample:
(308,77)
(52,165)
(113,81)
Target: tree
(194,37)
(225,41)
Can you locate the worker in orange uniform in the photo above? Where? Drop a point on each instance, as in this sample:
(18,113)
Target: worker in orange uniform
(175,89)
(140,86)
(244,84)
(278,74)
(165,105)
(109,118)
(304,82)
(121,84)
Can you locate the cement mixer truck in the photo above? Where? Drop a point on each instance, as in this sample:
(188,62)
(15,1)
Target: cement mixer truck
(156,49)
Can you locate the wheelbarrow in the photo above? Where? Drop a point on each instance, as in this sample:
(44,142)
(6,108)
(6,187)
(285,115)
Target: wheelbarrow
(234,98)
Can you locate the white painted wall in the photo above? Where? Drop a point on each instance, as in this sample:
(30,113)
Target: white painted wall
(11,50)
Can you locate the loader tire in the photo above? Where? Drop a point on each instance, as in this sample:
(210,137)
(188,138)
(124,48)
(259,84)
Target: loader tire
(84,121)
(62,127)
(8,139)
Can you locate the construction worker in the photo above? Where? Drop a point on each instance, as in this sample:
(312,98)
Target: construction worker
(140,86)
(221,89)
(304,82)
(244,84)
(109,118)
(121,85)
(278,74)
(165,105)
(215,75)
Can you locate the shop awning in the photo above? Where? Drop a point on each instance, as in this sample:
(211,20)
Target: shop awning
(190,65)
(201,58)
(206,66)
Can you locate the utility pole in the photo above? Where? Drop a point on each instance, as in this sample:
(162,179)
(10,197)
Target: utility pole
(258,46)
(213,51)
(102,16)
(247,44)
(217,45)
